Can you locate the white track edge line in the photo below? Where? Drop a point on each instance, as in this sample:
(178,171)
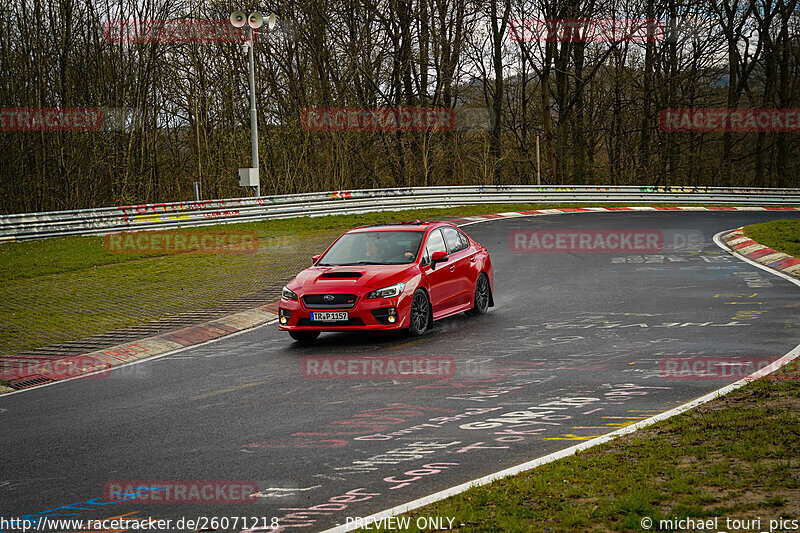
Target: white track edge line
(566,452)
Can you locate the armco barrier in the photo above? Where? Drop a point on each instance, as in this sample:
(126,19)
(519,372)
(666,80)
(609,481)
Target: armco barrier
(180,214)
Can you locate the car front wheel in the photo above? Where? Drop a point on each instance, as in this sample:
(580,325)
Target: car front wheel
(420,314)
(482,295)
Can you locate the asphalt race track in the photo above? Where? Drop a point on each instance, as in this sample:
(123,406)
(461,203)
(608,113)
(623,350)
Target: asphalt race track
(577,345)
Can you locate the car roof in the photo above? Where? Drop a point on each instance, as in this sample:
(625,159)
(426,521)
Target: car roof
(414,225)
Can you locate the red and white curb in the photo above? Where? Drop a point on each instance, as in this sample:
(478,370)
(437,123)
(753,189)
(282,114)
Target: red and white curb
(199,334)
(743,245)
(84,365)
(465,221)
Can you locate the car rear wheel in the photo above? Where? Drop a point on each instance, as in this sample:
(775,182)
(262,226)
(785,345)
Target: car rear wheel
(420,314)
(482,295)
(304,336)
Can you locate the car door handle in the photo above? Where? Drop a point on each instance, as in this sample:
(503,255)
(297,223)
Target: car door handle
(452,268)
(473,258)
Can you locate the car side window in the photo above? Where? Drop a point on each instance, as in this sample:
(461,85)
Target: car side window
(435,244)
(453,238)
(464,240)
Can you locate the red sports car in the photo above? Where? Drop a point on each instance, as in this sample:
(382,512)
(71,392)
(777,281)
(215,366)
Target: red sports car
(388,277)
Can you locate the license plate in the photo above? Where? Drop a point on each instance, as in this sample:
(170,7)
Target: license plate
(330,316)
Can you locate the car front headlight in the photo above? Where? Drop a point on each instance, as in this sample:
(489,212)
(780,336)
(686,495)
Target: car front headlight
(387,292)
(288,294)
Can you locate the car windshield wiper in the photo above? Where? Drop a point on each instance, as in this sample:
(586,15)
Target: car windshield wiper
(357,263)
(344,264)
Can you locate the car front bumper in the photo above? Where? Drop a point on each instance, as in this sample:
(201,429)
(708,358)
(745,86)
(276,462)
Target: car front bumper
(364,315)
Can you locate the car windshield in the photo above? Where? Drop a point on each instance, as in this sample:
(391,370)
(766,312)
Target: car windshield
(374,248)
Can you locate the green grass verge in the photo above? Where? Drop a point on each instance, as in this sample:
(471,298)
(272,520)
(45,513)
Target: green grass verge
(736,456)
(56,307)
(781,235)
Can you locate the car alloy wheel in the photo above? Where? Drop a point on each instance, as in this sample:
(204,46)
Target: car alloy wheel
(420,313)
(482,295)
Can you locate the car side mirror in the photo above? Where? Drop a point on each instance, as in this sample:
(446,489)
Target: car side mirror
(315,258)
(438,257)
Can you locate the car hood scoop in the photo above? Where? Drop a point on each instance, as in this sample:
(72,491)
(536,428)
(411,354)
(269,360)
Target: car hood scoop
(326,278)
(341,275)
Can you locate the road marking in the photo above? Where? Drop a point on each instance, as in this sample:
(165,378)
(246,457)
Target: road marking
(279,492)
(566,452)
(452,491)
(410,343)
(570,436)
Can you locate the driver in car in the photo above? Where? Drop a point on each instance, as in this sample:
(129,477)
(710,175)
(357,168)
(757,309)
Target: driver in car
(372,253)
(375,252)
(401,253)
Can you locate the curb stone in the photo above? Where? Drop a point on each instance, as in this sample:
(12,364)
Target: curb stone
(75,366)
(738,242)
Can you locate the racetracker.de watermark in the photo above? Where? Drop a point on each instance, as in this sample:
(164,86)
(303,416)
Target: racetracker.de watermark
(601,30)
(398,367)
(174,31)
(378,119)
(181,491)
(586,241)
(720,367)
(586,30)
(28,119)
(180,242)
(51,119)
(737,120)
(56,369)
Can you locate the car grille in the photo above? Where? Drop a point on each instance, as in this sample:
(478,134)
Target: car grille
(339,301)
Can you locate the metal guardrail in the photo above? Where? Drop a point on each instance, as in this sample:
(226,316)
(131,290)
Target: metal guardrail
(27,226)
